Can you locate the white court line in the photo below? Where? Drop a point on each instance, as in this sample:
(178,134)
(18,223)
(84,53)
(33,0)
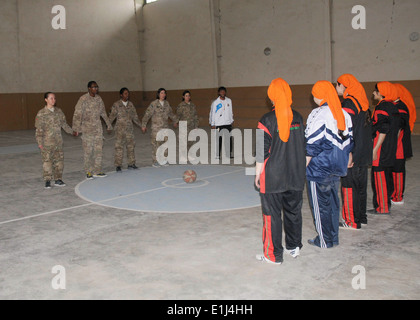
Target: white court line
(145,191)
(45,213)
(100,202)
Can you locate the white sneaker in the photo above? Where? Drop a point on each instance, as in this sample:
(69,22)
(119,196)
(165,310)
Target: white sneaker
(344,225)
(398,203)
(294,252)
(261,257)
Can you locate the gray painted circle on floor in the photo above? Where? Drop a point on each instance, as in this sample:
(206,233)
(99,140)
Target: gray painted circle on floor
(217,188)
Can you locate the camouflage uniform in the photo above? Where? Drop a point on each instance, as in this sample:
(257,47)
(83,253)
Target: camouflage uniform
(87,120)
(48,124)
(159,115)
(124,131)
(188,112)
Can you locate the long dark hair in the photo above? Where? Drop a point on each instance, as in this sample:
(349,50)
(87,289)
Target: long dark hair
(159,91)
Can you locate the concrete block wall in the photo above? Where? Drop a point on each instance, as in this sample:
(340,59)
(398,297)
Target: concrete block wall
(198,45)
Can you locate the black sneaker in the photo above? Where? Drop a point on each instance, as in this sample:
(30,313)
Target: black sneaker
(89,176)
(48,184)
(133,167)
(118,169)
(59,183)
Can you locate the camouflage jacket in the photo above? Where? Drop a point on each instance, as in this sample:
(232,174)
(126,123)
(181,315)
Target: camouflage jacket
(125,116)
(87,115)
(188,112)
(159,115)
(48,126)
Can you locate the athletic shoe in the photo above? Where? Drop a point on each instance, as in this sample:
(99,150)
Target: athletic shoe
(89,176)
(100,175)
(261,257)
(344,225)
(156,165)
(118,169)
(398,203)
(294,252)
(312,242)
(59,183)
(132,167)
(48,184)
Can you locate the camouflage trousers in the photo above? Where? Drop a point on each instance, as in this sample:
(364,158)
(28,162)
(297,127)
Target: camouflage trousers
(124,139)
(92,149)
(52,162)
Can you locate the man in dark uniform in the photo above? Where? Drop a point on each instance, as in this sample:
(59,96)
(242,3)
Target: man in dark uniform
(404,147)
(280,174)
(354,185)
(385,128)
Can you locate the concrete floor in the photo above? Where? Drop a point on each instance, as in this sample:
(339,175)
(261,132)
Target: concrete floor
(109,253)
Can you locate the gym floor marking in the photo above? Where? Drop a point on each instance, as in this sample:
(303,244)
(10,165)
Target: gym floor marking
(219,195)
(180,185)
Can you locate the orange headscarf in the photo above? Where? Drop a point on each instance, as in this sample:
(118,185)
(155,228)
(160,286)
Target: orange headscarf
(388,90)
(354,89)
(280,93)
(325,91)
(406,97)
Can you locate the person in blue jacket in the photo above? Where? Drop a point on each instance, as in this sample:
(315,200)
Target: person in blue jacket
(329,142)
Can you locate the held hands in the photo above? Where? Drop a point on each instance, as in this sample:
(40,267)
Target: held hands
(75,133)
(176,125)
(143,129)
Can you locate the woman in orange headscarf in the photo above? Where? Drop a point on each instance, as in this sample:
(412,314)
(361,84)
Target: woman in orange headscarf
(385,126)
(280,174)
(406,108)
(353,90)
(406,97)
(354,184)
(329,142)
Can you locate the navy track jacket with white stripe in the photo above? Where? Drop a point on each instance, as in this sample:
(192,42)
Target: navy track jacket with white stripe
(328,147)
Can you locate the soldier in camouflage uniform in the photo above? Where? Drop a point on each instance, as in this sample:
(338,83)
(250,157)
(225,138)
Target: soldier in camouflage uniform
(159,111)
(48,124)
(124,111)
(186,111)
(87,120)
